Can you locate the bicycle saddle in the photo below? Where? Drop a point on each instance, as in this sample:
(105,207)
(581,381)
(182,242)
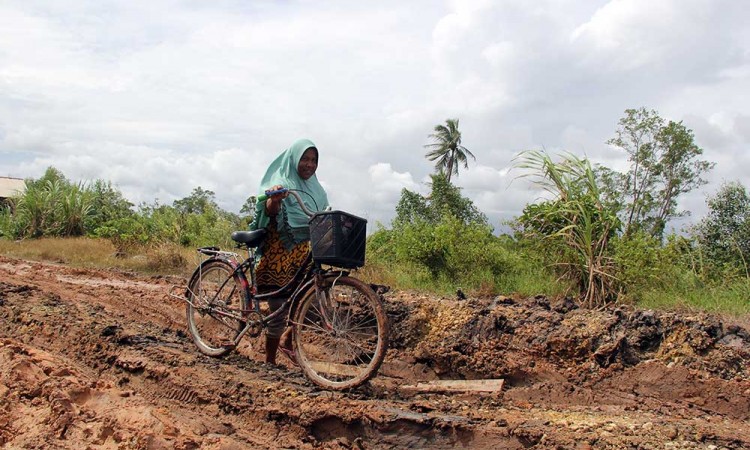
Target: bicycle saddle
(249,238)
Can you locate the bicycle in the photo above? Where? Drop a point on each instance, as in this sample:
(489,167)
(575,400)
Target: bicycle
(338,323)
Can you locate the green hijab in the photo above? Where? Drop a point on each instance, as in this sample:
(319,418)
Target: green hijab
(291,221)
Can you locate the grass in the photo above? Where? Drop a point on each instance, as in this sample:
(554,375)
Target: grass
(404,276)
(170,259)
(100,253)
(732,298)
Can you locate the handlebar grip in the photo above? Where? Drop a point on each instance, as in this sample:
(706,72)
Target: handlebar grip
(264,197)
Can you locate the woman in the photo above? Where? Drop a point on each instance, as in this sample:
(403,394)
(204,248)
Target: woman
(288,240)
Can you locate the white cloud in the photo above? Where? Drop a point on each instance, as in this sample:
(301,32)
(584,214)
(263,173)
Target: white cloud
(162,97)
(669,35)
(384,191)
(481,177)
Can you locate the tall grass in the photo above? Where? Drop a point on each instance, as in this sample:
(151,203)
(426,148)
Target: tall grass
(166,259)
(731,298)
(576,223)
(170,259)
(525,280)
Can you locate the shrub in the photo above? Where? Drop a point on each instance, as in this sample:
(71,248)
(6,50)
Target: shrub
(6,223)
(165,258)
(576,227)
(126,234)
(643,264)
(448,254)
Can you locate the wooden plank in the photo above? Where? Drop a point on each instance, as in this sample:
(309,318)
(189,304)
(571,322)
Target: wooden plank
(488,385)
(336,369)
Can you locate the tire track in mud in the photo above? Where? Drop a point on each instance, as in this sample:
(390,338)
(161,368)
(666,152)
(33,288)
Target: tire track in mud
(145,357)
(120,370)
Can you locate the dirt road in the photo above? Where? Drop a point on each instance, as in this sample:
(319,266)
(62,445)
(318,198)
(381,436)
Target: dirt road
(100,359)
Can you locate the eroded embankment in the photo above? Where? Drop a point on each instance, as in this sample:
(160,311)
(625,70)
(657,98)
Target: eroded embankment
(615,356)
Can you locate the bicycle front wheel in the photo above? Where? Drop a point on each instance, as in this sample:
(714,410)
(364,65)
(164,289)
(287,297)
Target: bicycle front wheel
(215,301)
(341,335)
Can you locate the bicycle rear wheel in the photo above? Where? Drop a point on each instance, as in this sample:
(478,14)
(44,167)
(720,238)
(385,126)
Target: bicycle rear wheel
(341,336)
(215,301)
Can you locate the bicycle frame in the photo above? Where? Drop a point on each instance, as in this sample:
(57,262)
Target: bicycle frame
(309,275)
(338,325)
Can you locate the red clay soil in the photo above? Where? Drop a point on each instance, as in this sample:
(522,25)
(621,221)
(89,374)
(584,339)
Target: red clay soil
(100,359)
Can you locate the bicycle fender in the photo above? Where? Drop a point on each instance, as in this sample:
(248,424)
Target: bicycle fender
(224,259)
(310,285)
(336,274)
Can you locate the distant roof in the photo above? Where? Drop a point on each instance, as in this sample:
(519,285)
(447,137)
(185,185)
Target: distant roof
(11,186)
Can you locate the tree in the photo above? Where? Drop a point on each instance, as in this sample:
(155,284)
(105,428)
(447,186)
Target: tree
(447,150)
(108,204)
(637,136)
(724,234)
(679,171)
(610,184)
(443,233)
(663,165)
(412,207)
(248,209)
(198,202)
(444,200)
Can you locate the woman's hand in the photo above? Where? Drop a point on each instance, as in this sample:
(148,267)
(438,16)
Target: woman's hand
(273,204)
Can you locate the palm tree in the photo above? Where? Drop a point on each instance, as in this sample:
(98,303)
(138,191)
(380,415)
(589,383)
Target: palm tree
(447,149)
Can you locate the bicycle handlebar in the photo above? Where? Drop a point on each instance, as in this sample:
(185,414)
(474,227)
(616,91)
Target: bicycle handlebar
(264,197)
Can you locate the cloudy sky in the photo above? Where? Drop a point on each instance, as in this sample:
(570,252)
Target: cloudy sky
(160,97)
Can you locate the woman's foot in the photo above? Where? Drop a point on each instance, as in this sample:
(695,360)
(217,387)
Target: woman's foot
(286,346)
(289,353)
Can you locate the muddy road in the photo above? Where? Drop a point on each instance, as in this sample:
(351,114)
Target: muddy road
(100,359)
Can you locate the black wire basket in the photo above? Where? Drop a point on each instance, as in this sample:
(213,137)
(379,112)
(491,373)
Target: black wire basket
(338,239)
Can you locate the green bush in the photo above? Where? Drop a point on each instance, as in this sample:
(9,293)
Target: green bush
(6,223)
(126,234)
(159,224)
(643,264)
(450,249)
(576,227)
(52,206)
(450,255)
(442,242)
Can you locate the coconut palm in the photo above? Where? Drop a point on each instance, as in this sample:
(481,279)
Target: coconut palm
(447,150)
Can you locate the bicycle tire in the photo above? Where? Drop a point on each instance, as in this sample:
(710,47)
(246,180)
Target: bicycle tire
(340,343)
(213,290)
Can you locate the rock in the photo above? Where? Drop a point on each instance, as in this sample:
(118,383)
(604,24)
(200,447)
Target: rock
(565,306)
(501,300)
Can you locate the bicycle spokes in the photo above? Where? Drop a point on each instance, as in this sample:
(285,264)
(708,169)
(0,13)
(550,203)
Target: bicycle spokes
(339,333)
(214,310)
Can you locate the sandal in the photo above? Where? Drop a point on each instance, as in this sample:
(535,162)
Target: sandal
(290,354)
